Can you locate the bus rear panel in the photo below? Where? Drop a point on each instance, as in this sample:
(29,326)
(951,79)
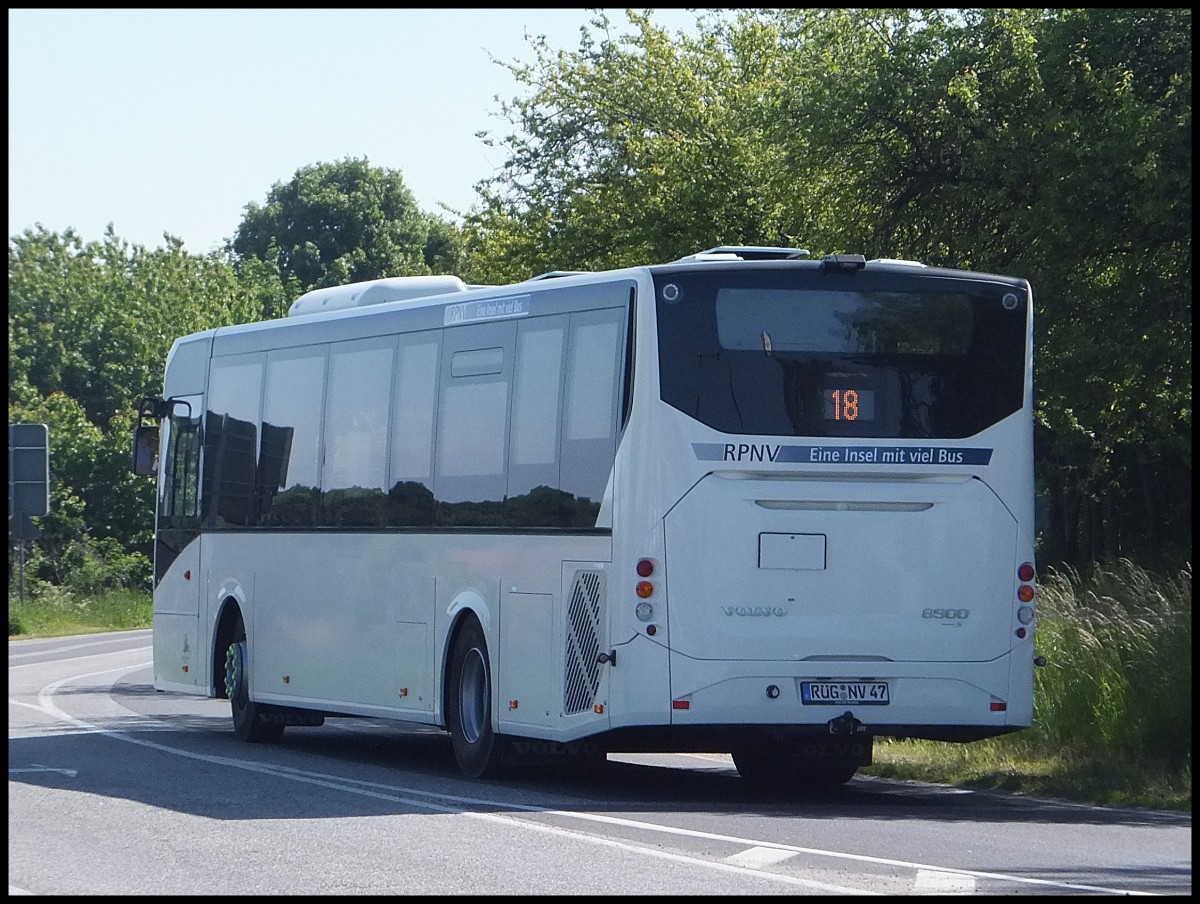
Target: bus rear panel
(841,522)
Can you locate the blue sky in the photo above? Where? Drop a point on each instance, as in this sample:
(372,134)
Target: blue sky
(173,120)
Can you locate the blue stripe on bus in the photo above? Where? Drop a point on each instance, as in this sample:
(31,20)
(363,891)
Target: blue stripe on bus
(842,455)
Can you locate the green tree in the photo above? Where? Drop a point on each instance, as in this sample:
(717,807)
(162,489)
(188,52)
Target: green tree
(638,146)
(335,223)
(95,320)
(90,325)
(1113,251)
(1045,143)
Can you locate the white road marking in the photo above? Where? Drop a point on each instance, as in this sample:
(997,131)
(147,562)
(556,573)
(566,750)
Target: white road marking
(78,646)
(365,789)
(759,857)
(411,798)
(938,882)
(70,773)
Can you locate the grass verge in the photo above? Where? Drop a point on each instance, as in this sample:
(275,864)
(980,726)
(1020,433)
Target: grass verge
(1007,764)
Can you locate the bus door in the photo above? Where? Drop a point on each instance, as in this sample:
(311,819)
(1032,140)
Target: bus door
(179,657)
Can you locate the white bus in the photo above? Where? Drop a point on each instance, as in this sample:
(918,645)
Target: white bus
(742,502)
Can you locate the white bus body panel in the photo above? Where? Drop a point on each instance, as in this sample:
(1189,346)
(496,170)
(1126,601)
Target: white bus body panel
(179,649)
(385,655)
(840,569)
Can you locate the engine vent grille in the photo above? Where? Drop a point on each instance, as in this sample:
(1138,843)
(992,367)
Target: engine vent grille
(585,615)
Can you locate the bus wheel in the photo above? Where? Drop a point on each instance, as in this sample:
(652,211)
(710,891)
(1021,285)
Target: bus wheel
(771,768)
(468,705)
(251,721)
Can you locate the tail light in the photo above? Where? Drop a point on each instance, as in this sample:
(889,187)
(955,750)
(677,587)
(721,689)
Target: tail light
(645,589)
(1025,594)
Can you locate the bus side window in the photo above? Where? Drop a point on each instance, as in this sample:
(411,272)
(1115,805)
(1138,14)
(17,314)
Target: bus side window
(354,469)
(595,367)
(231,441)
(181,478)
(289,479)
(414,407)
(534,497)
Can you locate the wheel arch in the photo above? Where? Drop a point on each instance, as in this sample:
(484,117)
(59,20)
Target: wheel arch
(467,605)
(230,613)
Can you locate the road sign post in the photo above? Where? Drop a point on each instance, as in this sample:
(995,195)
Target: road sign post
(28,484)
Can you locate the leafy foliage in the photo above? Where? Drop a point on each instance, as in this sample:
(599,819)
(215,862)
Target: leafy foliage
(335,223)
(1049,144)
(90,325)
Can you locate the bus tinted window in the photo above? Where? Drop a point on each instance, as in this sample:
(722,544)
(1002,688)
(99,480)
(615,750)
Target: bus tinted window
(594,367)
(289,457)
(472,425)
(231,441)
(413,412)
(356,429)
(804,353)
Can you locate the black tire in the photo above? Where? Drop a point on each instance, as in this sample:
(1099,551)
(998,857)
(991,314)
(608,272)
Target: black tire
(252,722)
(477,748)
(767,766)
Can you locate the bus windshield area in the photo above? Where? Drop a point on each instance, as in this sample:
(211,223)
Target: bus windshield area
(796,352)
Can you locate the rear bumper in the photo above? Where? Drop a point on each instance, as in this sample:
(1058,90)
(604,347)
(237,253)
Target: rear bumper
(935,700)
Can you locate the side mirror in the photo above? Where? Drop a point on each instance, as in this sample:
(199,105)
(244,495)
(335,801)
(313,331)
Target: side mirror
(145,449)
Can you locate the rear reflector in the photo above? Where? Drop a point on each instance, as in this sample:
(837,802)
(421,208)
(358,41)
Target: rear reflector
(681,704)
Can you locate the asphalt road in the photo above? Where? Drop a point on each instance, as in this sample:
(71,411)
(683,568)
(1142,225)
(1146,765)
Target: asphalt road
(114,788)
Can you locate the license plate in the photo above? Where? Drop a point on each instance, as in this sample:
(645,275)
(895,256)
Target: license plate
(843,693)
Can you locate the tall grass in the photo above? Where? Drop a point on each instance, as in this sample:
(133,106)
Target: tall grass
(1112,707)
(1118,677)
(51,611)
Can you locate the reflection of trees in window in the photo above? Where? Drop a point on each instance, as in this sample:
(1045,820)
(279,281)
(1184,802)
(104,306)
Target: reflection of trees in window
(545,506)
(542,506)
(410,504)
(581,512)
(182,479)
(489,513)
(229,471)
(273,461)
(297,506)
(906,324)
(355,507)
